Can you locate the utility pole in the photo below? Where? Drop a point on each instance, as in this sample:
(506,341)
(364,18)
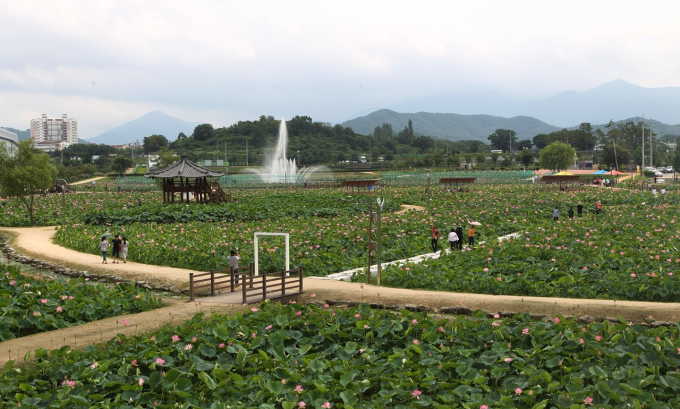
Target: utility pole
(379,237)
(643,146)
(246,153)
(650,136)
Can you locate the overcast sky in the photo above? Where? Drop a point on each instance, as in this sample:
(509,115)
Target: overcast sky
(108,62)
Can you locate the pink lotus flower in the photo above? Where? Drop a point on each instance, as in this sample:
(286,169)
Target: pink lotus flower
(508,360)
(298,389)
(483,407)
(175,338)
(416,394)
(518,391)
(525,331)
(556,320)
(302,404)
(298,313)
(44,301)
(221,345)
(59,309)
(160,361)
(125,322)
(188,347)
(140,381)
(326,405)
(254,309)
(134,362)
(416,342)
(588,400)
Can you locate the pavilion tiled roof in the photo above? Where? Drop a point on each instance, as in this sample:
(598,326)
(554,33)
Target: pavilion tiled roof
(183,168)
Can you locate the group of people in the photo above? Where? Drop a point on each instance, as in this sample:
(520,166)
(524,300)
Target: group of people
(119,249)
(455,238)
(579,209)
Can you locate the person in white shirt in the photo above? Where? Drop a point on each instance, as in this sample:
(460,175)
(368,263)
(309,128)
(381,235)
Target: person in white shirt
(453,238)
(233,263)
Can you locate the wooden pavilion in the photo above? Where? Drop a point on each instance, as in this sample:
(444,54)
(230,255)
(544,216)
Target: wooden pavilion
(362,186)
(456,183)
(191,182)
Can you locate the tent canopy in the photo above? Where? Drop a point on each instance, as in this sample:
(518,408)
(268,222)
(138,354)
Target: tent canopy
(563,173)
(600,172)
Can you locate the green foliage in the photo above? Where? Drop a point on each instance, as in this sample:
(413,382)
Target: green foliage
(154,143)
(557,156)
(120,164)
(166,157)
(31,306)
(526,157)
(357,357)
(25,174)
(503,139)
(203,132)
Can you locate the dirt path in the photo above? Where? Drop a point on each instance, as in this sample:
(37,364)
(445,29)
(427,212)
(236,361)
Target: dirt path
(82,182)
(174,312)
(406,208)
(36,242)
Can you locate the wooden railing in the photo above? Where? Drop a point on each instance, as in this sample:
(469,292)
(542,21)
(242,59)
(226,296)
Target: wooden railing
(213,283)
(280,284)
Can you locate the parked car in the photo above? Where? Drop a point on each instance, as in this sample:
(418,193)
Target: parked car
(669,169)
(658,174)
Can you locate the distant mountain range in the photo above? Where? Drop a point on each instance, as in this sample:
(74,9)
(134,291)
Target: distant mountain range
(155,122)
(456,127)
(610,101)
(450,126)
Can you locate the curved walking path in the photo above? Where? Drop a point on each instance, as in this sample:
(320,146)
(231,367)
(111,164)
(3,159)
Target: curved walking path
(36,242)
(82,182)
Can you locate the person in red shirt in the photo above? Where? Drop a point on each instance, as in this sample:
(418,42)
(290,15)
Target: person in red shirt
(435,237)
(471,236)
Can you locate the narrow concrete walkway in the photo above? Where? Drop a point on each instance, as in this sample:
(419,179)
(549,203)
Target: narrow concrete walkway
(347,275)
(82,182)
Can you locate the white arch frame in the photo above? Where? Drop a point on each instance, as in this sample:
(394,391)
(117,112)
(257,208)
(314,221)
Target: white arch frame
(257,249)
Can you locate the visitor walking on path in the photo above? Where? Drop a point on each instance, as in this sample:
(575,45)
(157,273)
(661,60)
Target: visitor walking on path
(471,236)
(435,237)
(556,214)
(233,263)
(453,239)
(579,209)
(459,233)
(104,246)
(115,251)
(124,249)
(571,212)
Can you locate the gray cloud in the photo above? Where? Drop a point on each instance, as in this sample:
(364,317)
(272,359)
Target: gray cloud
(227,61)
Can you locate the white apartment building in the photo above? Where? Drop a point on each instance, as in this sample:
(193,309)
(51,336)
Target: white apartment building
(54,130)
(10,140)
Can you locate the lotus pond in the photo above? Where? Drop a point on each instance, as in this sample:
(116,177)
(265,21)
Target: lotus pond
(293,356)
(31,306)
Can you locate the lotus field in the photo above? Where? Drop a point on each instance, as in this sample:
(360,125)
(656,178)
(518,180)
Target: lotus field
(626,252)
(31,306)
(296,356)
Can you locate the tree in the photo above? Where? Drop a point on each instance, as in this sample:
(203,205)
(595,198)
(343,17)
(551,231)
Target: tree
(526,156)
(541,141)
(166,157)
(557,156)
(154,143)
(468,160)
(481,158)
(503,139)
(203,132)
(25,174)
(494,158)
(523,144)
(120,164)
(616,159)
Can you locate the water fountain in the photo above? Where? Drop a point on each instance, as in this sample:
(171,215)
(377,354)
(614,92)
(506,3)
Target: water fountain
(279,169)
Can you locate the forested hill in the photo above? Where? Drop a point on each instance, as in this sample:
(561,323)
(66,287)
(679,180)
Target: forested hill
(453,127)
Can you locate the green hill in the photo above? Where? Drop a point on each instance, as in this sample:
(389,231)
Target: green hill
(453,127)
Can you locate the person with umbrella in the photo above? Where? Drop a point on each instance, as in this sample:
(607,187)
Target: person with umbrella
(104,247)
(471,233)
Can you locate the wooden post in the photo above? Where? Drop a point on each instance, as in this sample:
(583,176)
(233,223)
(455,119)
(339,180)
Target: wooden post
(243,289)
(231,273)
(301,275)
(283,283)
(212,283)
(264,286)
(250,271)
(370,228)
(191,286)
